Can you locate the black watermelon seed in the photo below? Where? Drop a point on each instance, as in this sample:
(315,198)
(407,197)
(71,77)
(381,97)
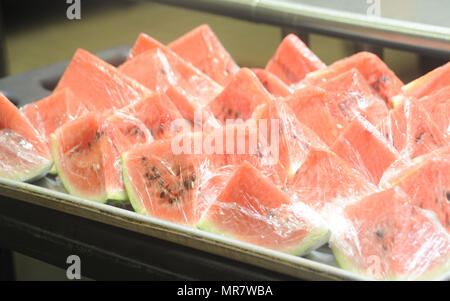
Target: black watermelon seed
(379,234)
(419,137)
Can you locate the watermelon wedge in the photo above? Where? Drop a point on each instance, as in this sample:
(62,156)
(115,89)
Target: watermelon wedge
(231,145)
(412,130)
(23,152)
(373,69)
(351,95)
(253,210)
(164,184)
(364,148)
(202,48)
(272,83)
(324,178)
(437,105)
(294,139)
(144,43)
(425,85)
(386,238)
(240,97)
(99,85)
(79,160)
(426,181)
(293,60)
(311,107)
(51,112)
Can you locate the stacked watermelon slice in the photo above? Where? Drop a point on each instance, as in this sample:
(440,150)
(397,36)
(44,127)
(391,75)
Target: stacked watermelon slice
(289,157)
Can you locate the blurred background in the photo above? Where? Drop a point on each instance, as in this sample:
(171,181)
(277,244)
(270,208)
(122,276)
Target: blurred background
(38,33)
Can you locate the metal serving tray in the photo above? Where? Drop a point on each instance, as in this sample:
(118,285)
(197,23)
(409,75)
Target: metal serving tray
(42,220)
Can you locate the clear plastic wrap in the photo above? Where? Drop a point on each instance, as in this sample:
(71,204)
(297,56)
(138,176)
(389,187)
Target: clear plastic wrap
(372,68)
(350,95)
(202,48)
(99,85)
(51,112)
(413,130)
(364,148)
(24,154)
(240,97)
(384,237)
(293,60)
(161,70)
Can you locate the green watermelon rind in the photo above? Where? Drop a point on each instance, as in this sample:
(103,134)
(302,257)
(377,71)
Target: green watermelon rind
(65,181)
(129,188)
(344,263)
(314,240)
(33,174)
(118,195)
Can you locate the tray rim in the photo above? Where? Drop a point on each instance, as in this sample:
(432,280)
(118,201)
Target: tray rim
(295,266)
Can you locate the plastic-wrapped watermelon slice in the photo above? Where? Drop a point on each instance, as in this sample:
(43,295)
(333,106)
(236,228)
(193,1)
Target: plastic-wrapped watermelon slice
(325,179)
(426,181)
(365,149)
(166,182)
(51,112)
(351,95)
(294,139)
(311,107)
(240,97)
(384,237)
(202,48)
(24,155)
(374,70)
(99,85)
(250,208)
(413,130)
(293,60)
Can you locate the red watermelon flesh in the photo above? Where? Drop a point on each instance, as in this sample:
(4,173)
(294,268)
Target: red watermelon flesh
(272,83)
(351,95)
(294,139)
(159,115)
(437,105)
(310,105)
(78,154)
(163,183)
(112,170)
(51,112)
(253,210)
(293,60)
(23,152)
(240,97)
(429,83)
(373,69)
(388,239)
(426,181)
(393,127)
(99,85)
(364,148)
(324,178)
(202,48)
(412,129)
(144,43)
(231,145)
